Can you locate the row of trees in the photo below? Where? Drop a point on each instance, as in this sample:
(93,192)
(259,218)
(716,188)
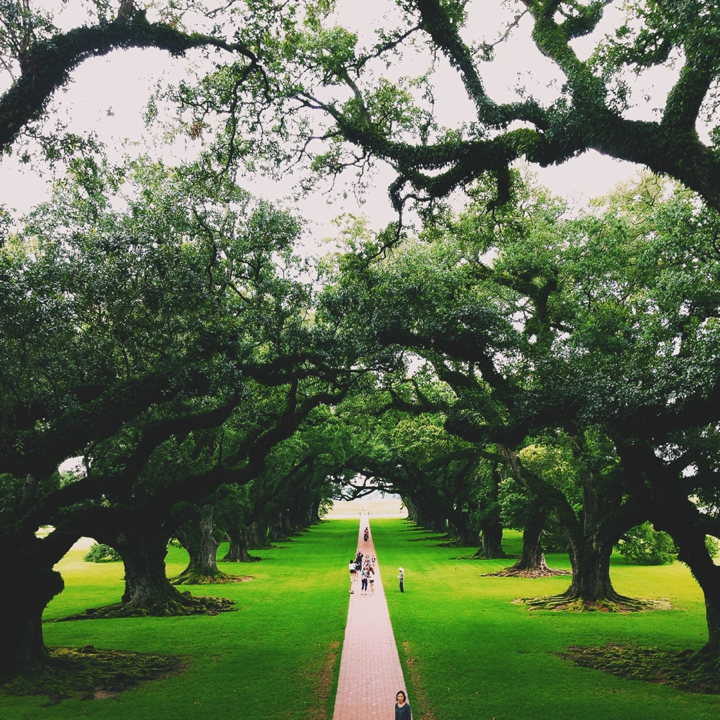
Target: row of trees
(511,364)
(576,370)
(157,324)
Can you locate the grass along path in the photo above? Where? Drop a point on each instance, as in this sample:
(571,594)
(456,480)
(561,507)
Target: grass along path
(468,653)
(275,658)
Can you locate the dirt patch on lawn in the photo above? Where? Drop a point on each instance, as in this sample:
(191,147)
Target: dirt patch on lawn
(90,674)
(692,671)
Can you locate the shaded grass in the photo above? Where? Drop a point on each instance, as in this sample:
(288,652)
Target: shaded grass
(88,674)
(272,659)
(475,654)
(686,670)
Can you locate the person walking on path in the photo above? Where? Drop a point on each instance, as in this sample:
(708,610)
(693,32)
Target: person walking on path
(370,670)
(371,579)
(353,572)
(401,578)
(402,707)
(364,584)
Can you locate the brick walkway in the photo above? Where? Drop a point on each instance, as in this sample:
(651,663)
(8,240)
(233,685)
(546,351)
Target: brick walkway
(370,672)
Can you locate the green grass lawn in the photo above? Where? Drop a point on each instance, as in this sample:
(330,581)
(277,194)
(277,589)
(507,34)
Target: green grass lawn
(468,652)
(475,655)
(265,661)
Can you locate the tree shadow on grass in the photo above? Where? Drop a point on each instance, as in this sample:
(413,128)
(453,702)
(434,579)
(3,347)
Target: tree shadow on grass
(689,670)
(91,674)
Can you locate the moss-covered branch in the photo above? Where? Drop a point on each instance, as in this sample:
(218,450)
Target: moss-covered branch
(46,65)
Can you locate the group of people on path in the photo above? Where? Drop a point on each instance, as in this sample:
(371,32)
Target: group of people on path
(362,567)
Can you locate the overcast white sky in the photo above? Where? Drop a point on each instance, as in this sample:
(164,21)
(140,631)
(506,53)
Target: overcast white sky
(108,96)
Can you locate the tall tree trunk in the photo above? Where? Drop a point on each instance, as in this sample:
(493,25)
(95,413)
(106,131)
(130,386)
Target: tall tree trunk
(431,518)
(491,536)
(694,553)
(238,550)
(148,591)
(258,536)
(412,509)
(590,559)
(314,512)
(459,527)
(26,587)
(143,550)
(675,514)
(532,561)
(532,557)
(276,530)
(202,546)
(491,530)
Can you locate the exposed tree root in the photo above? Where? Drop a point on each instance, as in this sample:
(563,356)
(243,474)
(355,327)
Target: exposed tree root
(187,604)
(693,671)
(620,603)
(248,558)
(195,578)
(88,674)
(536,572)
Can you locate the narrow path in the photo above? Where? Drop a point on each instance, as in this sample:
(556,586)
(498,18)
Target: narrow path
(370,672)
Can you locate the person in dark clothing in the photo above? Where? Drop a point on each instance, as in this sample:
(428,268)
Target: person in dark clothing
(401,578)
(402,707)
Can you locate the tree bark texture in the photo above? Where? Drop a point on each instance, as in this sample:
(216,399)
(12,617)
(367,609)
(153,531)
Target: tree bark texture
(238,550)
(147,588)
(26,587)
(258,536)
(532,562)
(202,547)
(491,536)
(590,559)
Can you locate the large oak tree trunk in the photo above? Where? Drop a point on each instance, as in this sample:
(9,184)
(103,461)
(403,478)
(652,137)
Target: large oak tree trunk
(532,562)
(258,536)
(466,537)
(202,546)
(694,553)
(413,513)
(431,518)
(532,557)
(26,587)
(238,550)
(491,537)
(313,515)
(147,587)
(143,547)
(591,582)
(678,516)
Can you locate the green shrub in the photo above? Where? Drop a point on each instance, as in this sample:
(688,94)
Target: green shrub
(647,546)
(102,553)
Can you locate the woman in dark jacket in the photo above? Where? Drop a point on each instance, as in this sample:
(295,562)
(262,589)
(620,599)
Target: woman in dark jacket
(402,707)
